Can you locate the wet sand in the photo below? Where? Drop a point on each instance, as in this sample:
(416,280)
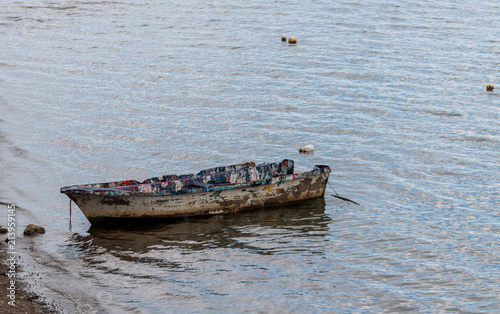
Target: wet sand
(25,300)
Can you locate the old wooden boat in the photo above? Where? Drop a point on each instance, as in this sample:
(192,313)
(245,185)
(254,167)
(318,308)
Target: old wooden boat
(211,191)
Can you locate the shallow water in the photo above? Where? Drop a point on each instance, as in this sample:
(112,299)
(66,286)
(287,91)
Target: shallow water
(392,94)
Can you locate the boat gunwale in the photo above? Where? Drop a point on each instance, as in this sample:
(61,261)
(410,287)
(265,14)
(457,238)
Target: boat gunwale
(91,189)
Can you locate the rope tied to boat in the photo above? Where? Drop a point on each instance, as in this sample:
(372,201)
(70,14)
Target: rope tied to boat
(340,197)
(70,227)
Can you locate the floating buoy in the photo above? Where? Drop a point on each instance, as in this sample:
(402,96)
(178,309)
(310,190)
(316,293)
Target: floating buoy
(489,87)
(306,148)
(292,40)
(283,38)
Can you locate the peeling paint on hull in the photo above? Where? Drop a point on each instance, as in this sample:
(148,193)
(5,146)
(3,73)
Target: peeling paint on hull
(272,189)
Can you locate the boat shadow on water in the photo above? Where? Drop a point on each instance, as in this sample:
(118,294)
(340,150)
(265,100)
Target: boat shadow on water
(134,240)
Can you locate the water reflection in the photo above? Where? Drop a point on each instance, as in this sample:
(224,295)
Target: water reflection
(296,228)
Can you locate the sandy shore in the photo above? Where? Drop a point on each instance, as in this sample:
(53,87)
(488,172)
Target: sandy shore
(25,300)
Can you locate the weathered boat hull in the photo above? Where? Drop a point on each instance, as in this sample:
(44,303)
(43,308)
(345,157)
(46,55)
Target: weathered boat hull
(100,207)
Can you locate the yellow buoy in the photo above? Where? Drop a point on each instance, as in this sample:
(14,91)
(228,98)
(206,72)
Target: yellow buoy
(283,38)
(292,40)
(489,87)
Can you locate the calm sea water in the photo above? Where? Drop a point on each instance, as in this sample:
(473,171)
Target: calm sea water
(391,93)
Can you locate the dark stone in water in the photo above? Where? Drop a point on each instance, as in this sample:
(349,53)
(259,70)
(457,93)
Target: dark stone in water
(33,229)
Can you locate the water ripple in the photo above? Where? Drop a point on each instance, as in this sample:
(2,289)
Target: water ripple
(391,94)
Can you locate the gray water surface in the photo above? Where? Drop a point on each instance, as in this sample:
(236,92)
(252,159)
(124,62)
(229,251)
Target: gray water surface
(392,94)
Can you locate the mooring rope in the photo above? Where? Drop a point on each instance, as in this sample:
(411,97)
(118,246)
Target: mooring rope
(70,227)
(333,188)
(340,197)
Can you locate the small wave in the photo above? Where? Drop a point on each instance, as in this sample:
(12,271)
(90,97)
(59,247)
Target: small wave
(474,139)
(443,113)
